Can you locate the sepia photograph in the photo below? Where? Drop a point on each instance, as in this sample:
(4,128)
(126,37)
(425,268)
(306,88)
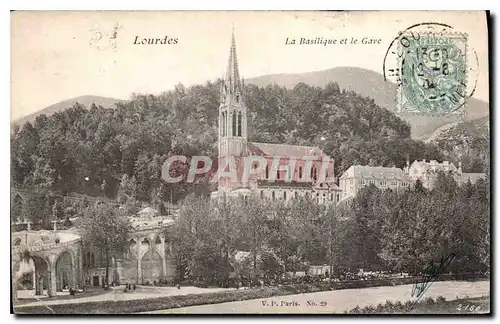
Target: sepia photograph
(250,162)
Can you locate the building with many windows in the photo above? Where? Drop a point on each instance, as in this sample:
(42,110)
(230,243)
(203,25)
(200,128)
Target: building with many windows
(359,176)
(427,172)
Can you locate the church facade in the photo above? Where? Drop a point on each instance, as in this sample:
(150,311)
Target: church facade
(267,170)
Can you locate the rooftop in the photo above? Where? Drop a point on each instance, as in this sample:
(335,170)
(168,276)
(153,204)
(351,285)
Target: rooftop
(374,172)
(285,150)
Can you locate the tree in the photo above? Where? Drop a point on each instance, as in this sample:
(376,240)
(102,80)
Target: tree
(192,225)
(16,211)
(254,215)
(127,194)
(105,228)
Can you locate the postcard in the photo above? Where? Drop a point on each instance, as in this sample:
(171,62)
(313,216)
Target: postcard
(250,162)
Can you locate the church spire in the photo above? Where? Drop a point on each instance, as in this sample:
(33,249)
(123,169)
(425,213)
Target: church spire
(232,78)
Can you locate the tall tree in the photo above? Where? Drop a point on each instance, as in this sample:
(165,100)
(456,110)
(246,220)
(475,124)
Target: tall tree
(106,229)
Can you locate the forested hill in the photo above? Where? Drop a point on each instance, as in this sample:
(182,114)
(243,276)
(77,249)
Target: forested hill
(371,84)
(468,142)
(59,152)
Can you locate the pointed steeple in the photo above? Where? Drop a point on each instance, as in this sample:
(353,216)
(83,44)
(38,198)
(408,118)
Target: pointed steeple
(232,79)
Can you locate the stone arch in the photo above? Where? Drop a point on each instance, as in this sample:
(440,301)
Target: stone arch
(151,237)
(65,270)
(32,276)
(151,267)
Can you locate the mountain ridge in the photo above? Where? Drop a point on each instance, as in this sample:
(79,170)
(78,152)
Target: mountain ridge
(85,100)
(364,82)
(369,83)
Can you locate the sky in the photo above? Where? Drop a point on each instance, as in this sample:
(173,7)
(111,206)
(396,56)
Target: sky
(60,55)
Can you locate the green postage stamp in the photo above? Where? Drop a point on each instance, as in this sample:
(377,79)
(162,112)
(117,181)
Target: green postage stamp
(434,73)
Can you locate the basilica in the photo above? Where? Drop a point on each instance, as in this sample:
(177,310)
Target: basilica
(286,172)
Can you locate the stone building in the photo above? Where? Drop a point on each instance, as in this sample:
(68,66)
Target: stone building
(427,172)
(45,262)
(48,262)
(283,171)
(359,176)
(147,261)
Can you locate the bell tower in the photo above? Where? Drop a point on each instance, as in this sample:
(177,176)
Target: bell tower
(232,112)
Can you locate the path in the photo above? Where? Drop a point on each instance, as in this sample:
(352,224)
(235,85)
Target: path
(339,300)
(139,293)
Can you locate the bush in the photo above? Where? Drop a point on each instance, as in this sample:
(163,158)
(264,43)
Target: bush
(440,299)
(429,301)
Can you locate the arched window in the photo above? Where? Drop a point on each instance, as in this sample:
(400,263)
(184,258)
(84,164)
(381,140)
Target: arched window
(314,173)
(92,260)
(224,123)
(277,175)
(262,194)
(284,195)
(296,195)
(239,124)
(267,171)
(274,196)
(234,126)
(300,172)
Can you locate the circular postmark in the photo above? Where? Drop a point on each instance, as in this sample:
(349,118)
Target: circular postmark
(433,67)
